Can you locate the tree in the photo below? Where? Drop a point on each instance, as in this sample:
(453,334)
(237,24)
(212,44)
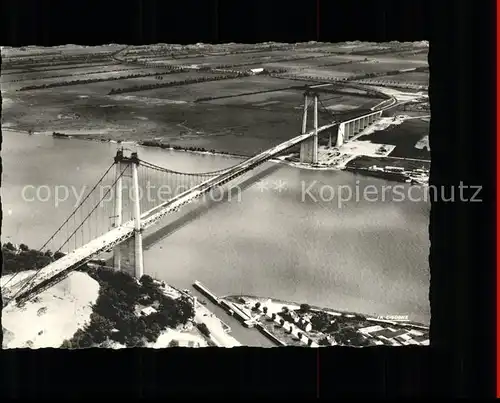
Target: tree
(58,255)
(173,343)
(147,281)
(320,321)
(24,247)
(66,344)
(184,310)
(152,332)
(305,308)
(264,309)
(99,328)
(324,342)
(134,341)
(9,246)
(81,339)
(333,327)
(203,329)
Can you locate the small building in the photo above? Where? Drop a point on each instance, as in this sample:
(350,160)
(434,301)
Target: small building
(148,311)
(187,343)
(370,329)
(305,325)
(256,71)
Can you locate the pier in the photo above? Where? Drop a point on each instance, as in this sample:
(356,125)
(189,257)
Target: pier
(206,292)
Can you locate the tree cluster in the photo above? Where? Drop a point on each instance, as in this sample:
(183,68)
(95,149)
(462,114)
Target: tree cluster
(146,87)
(150,143)
(87,81)
(114,317)
(16,259)
(60,60)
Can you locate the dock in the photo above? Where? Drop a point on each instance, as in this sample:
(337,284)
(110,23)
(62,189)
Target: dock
(271,336)
(230,308)
(206,292)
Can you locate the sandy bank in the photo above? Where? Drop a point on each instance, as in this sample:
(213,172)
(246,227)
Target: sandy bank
(53,316)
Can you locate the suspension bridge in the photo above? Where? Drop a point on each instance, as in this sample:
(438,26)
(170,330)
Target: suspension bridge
(106,221)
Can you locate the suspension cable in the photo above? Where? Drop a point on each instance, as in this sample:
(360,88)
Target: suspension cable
(88,215)
(74,211)
(158,168)
(65,222)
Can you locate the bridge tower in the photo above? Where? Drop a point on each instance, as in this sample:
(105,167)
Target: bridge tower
(309,147)
(121,163)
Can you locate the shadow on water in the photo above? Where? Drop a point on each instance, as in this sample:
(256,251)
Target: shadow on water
(228,195)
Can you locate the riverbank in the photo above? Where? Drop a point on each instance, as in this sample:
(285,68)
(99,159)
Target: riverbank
(53,316)
(349,154)
(288,323)
(291,324)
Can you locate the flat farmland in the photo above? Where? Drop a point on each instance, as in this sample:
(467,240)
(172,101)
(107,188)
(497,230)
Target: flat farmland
(111,75)
(323,61)
(292,101)
(350,47)
(320,73)
(104,87)
(56,67)
(372,67)
(282,100)
(76,73)
(246,114)
(58,64)
(415,77)
(33,52)
(409,56)
(251,58)
(55,60)
(65,49)
(245,131)
(423,57)
(222,88)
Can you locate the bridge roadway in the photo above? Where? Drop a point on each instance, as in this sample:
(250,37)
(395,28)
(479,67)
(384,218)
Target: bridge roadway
(81,255)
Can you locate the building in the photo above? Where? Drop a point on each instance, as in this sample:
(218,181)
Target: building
(148,311)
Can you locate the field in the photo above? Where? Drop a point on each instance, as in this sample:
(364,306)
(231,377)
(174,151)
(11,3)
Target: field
(261,57)
(415,77)
(66,72)
(57,67)
(291,102)
(241,115)
(102,87)
(224,88)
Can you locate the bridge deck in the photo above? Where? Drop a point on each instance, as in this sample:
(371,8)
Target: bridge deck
(75,258)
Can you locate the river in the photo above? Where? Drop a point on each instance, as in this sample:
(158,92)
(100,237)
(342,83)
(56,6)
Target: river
(279,240)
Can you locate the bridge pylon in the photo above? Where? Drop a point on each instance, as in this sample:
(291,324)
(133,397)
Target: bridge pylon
(309,148)
(122,163)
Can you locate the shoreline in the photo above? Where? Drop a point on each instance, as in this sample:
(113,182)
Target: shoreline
(152,144)
(88,137)
(370,317)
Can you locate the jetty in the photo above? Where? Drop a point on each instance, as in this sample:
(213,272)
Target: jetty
(206,292)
